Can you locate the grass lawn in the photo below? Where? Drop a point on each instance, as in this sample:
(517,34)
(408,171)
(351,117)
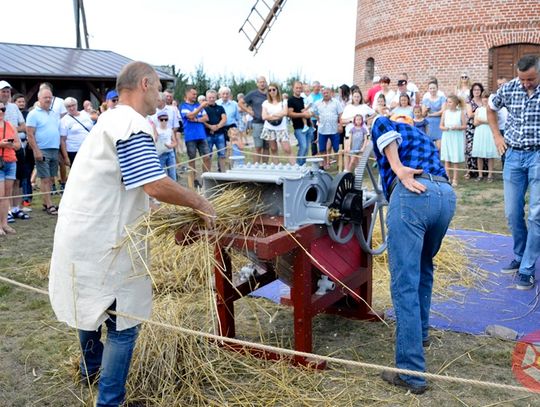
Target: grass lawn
(33,345)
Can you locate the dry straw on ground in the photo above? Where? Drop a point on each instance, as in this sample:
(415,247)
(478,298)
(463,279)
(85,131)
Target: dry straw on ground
(171,369)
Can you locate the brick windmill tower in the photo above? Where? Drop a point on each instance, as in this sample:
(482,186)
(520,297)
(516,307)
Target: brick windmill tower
(444,38)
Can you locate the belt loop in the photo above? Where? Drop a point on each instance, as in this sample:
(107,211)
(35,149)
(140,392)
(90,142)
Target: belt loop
(430,177)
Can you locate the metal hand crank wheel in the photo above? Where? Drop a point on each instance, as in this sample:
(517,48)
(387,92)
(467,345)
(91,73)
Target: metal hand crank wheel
(371,197)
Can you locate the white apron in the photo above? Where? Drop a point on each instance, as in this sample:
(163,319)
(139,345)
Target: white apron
(90,268)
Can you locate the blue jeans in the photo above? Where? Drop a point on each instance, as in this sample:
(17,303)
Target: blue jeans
(168,159)
(113,360)
(217,140)
(304,141)
(416,224)
(522,171)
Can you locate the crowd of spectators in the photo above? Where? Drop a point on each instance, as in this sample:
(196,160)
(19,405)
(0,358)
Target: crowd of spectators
(320,120)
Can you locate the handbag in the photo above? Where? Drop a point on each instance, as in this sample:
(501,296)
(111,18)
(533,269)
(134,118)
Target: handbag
(275,122)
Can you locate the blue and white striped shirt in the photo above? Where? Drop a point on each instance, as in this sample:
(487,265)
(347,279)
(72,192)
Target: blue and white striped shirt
(139,161)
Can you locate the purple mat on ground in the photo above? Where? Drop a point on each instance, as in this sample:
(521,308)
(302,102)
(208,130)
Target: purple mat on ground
(497,303)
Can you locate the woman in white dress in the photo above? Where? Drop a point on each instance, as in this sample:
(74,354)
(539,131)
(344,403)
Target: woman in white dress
(484,148)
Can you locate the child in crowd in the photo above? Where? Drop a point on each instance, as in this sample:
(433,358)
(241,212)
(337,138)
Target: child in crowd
(165,144)
(244,122)
(420,121)
(355,142)
(453,125)
(380,106)
(237,145)
(404,107)
(484,147)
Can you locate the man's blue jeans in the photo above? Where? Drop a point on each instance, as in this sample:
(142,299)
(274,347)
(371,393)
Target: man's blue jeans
(416,224)
(111,360)
(522,171)
(168,163)
(304,142)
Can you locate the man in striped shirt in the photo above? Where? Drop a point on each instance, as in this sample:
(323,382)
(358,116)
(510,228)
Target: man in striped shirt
(93,270)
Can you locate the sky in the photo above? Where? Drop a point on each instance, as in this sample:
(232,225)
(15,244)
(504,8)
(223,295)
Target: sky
(312,39)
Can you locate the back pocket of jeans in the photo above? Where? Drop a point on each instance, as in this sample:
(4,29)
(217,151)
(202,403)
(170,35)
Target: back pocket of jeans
(414,207)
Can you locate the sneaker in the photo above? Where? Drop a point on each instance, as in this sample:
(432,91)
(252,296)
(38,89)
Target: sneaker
(27,204)
(26,209)
(305,129)
(525,282)
(10,218)
(394,379)
(511,268)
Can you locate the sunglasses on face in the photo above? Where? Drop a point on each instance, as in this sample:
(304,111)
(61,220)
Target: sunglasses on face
(464,77)
(2,109)
(163,120)
(115,100)
(272,90)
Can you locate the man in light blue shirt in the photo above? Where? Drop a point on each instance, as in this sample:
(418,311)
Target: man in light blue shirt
(231,109)
(328,112)
(43,131)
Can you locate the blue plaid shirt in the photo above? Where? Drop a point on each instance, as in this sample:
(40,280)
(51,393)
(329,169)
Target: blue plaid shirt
(415,150)
(523,123)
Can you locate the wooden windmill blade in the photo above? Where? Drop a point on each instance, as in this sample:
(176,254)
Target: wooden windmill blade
(259,21)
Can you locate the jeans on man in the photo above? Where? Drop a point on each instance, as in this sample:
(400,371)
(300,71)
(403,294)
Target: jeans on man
(522,171)
(416,224)
(168,163)
(112,360)
(304,141)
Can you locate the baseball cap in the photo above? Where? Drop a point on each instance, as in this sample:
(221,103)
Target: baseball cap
(4,84)
(402,82)
(111,94)
(163,113)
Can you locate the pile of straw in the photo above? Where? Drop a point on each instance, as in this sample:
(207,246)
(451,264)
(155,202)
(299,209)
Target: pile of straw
(172,369)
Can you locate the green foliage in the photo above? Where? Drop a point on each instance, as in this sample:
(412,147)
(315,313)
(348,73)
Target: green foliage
(237,84)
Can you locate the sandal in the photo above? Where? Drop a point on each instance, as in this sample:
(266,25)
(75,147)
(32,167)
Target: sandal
(490,179)
(479,179)
(467,176)
(21,215)
(51,210)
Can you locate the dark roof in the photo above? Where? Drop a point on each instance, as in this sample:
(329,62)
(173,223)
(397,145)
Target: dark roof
(44,61)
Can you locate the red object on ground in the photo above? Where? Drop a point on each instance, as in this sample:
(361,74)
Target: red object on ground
(347,266)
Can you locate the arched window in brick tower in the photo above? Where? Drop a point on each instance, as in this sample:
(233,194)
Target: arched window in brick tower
(369,72)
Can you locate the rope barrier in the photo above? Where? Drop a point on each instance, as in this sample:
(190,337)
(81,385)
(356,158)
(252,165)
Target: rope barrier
(310,356)
(247,153)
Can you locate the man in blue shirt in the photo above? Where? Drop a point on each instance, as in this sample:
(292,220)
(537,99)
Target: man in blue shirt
(231,109)
(43,132)
(521,147)
(421,206)
(193,118)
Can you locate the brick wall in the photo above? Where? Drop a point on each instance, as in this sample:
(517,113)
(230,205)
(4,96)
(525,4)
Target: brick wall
(439,38)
